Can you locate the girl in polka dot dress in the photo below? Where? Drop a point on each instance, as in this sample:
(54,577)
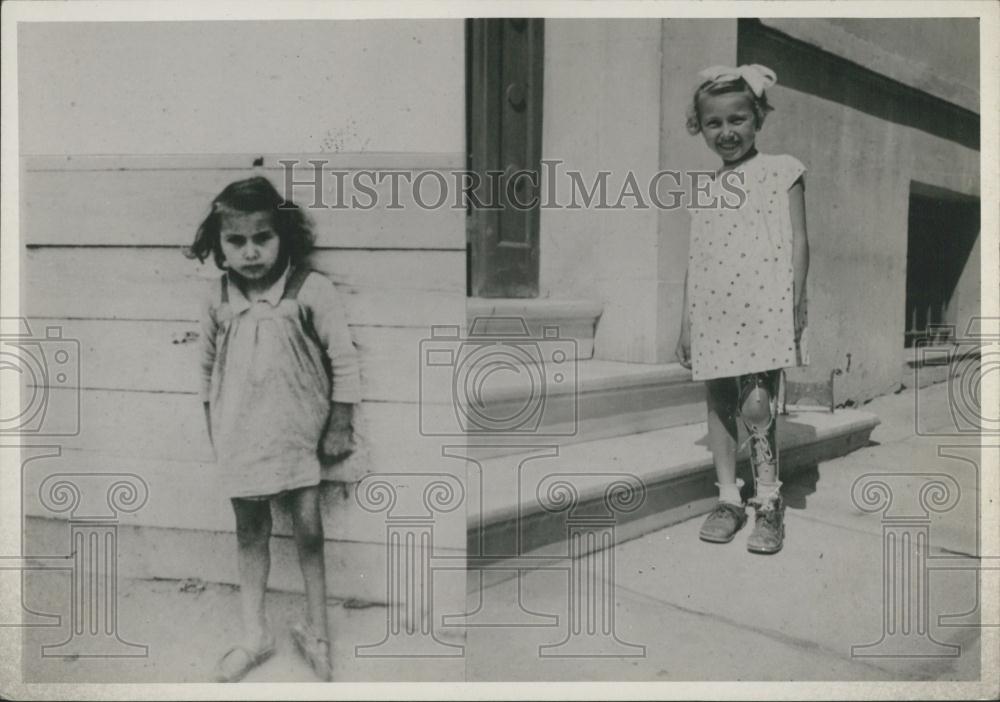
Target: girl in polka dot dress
(744,303)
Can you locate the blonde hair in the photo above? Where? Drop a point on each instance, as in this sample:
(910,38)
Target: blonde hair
(759,105)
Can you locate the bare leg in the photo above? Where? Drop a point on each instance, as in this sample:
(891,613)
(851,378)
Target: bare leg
(722,400)
(312,640)
(308,527)
(729,516)
(253,533)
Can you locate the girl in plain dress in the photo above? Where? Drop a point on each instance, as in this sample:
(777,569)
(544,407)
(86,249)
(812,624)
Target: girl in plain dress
(279,382)
(745,301)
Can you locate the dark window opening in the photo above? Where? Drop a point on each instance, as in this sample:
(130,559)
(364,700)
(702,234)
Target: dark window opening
(942,232)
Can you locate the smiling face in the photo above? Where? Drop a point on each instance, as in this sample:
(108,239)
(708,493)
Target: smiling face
(250,245)
(728,124)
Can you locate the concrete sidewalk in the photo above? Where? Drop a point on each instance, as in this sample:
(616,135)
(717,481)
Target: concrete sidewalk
(683,610)
(687,610)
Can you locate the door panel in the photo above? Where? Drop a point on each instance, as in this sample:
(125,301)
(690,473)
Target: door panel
(505,127)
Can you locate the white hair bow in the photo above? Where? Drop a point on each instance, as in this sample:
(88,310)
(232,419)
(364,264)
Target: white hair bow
(758,77)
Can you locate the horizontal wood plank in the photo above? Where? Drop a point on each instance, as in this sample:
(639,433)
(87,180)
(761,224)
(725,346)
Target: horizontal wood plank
(157,356)
(271,162)
(150,206)
(405,288)
(354,569)
(183,495)
(171,427)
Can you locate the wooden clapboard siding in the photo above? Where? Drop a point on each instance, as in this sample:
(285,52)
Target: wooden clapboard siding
(392,288)
(154,356)
(161,437)
(103,261)
(345,160)
(180,495)
(171,427)
(354,570)
(142,201)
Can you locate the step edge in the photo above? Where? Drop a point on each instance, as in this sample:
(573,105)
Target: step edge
(631,529)
(585,447)
(680,471)
(658,376)
(536,309)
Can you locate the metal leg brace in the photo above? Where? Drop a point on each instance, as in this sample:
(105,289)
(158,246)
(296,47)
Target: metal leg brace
(758,407)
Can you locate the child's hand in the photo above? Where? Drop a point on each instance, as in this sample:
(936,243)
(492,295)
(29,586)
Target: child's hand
(336,446)
(338,438)
(684,345)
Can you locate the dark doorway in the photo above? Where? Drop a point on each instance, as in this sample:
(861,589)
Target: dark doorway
(943,228)
(504,136)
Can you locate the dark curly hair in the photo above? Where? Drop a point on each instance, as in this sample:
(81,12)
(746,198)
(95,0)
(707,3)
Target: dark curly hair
(255,194)
(759,105)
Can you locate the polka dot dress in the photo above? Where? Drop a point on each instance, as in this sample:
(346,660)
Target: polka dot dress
(740,275)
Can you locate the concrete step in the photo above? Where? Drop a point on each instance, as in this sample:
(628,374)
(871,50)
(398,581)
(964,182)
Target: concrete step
(575,402)
(523,507)
(573,320)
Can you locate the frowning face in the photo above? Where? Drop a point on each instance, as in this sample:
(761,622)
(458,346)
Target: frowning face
(250,245)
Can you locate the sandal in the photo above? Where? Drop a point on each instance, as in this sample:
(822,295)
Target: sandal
(250,660)
(315,649)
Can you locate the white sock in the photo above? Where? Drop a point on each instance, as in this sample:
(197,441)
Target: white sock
(766,490)
(730,492)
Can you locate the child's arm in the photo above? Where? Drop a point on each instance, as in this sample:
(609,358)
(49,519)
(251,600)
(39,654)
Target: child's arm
(684,341)
(800,253)
(330,322)
(207,342)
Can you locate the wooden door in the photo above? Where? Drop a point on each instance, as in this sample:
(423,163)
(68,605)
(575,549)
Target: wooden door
(504,130)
